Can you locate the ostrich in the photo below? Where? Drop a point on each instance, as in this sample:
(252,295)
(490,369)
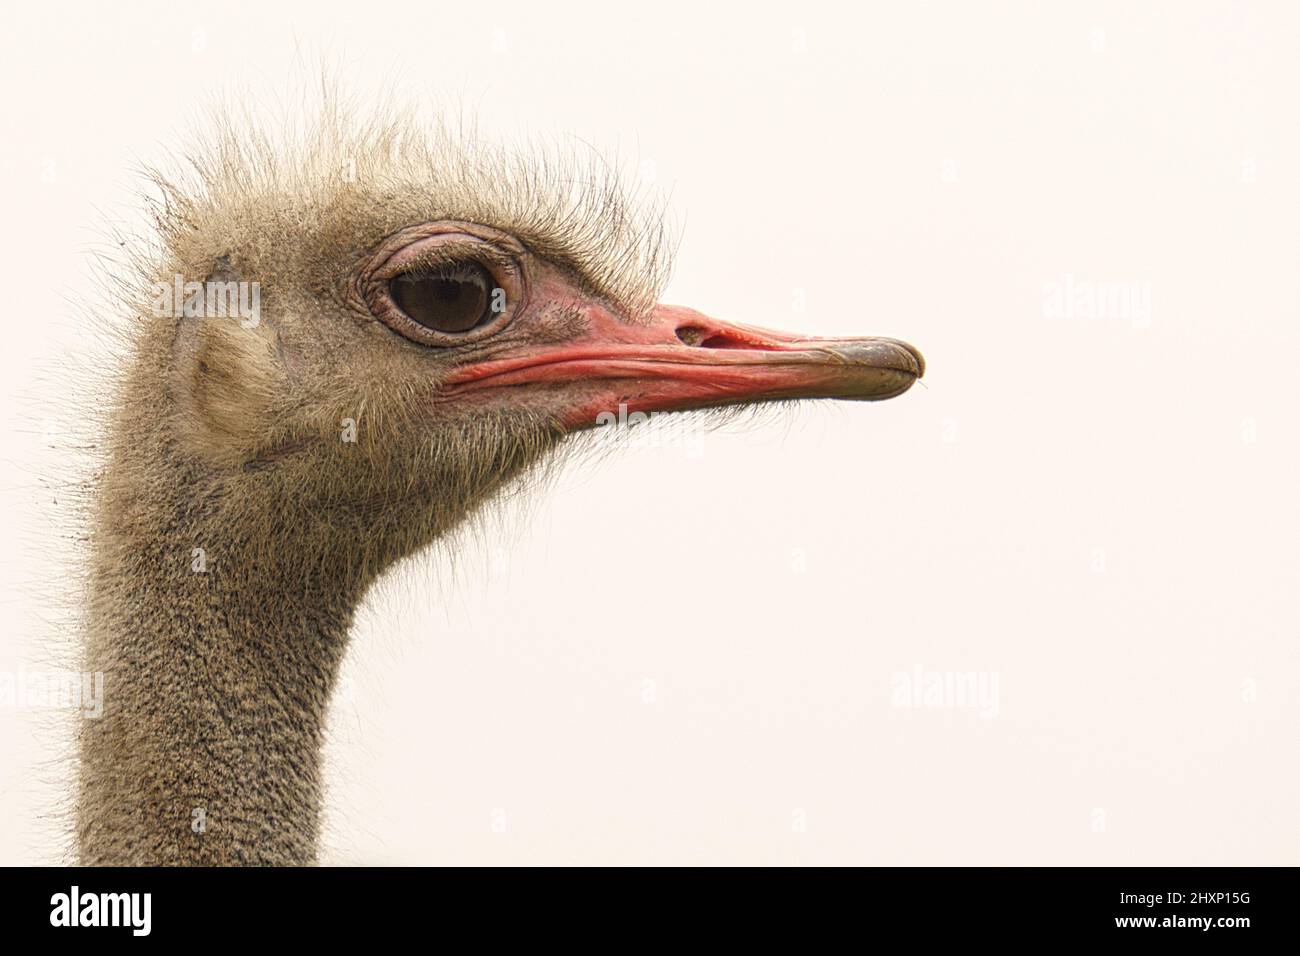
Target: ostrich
(421,320)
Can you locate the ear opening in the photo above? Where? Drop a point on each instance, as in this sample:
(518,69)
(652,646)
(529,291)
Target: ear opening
(226,369)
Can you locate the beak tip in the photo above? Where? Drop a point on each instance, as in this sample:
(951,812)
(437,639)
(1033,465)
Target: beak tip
(911,356)
(920,361)
(893,355)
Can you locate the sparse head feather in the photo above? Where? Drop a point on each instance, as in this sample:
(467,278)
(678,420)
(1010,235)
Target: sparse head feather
(338,168)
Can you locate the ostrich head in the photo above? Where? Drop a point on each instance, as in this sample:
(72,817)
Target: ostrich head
(432,317)
(416,321)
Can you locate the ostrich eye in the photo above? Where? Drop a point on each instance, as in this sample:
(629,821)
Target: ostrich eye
(452,298)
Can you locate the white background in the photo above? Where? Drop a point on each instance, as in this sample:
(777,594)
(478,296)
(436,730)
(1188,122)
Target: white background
(692,652)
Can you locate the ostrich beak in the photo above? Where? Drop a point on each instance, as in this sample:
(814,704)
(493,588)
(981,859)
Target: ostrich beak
(680,359)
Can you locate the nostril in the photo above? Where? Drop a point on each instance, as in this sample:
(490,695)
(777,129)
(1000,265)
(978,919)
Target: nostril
(703,338)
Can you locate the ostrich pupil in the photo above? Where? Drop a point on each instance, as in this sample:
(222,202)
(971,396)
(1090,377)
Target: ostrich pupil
(452,299)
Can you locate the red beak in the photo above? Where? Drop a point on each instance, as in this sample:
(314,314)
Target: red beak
(680,359)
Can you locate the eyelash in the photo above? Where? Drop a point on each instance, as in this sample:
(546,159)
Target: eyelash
(443,255)
(457,269)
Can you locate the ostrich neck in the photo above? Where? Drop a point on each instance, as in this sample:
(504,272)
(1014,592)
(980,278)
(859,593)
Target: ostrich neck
(218,665)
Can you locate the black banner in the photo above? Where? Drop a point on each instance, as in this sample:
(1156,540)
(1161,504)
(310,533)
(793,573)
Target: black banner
(1232,907)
